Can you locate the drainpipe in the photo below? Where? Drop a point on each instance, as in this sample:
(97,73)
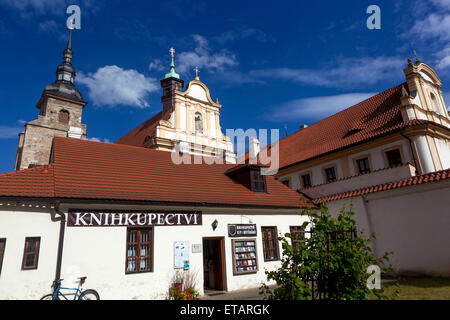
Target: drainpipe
(412,150)
(62,227)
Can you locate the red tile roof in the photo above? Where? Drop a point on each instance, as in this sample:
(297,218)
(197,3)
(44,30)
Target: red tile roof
(370,118)
(137,136)
(421,179)
(34,182)
(85,169)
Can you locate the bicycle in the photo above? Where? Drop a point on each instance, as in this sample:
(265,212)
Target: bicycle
(79,293)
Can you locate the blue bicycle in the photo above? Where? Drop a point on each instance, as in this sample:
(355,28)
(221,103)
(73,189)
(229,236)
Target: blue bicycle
(79,293)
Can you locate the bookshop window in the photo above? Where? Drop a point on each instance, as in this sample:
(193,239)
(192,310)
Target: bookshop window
(245,260)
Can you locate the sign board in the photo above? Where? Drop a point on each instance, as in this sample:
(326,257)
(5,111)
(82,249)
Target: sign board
(181,254)
(242,230)
(196,248)
(117,218)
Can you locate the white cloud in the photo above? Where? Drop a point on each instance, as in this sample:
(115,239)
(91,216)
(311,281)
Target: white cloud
(432,26)
(49,26)
(55,7)
(443,58)
(313,109)
(40,6)
(7,132)
(99,139)
(157,65)
(346,73)
(204,58)
(445,4)
(112,85)
(243,32)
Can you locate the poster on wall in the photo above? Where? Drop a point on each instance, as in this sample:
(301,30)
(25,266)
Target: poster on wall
(181,254)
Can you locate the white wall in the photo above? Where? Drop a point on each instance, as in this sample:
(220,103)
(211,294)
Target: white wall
(413,222)
(100,252)
(376,159)
(17,223)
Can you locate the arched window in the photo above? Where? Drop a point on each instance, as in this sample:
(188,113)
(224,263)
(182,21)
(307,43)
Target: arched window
(64,116)
(198,123)
(435,103)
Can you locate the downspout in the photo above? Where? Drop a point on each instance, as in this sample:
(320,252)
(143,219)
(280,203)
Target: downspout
(370,224)
(62,227)
(412,150)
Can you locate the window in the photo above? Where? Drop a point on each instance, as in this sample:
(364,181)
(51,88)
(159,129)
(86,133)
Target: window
(139,250)
(435,103)
(31,253)
(198,123)
(297,236)
(286,182)
(394,158)
(306,180)
(270,243)
(257,180)
(64,116)
(330,174)
(363,165)
(2,252)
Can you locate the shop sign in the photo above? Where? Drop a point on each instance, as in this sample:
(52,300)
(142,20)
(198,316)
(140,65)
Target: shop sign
(242,230)
(116,218)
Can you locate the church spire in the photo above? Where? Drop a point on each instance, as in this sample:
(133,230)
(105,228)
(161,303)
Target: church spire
(65,75)
(65,71)
(172,72)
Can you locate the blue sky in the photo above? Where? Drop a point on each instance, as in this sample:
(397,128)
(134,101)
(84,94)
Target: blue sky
(270,63)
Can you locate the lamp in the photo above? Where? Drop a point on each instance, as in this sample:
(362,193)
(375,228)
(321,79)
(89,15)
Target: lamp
(214,225)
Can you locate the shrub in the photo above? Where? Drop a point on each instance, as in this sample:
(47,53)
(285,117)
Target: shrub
(329,264)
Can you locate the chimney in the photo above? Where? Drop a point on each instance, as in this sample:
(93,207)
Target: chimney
(254,148)
(303,126)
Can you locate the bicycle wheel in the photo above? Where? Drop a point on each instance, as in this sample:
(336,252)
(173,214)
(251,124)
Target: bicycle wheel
(89,294)
(49,297)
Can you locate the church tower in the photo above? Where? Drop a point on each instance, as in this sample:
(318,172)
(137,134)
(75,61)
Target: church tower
(188,123)
(60,110)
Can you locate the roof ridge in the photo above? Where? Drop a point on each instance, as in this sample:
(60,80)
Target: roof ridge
(50,165)
(398,184)
(344,110)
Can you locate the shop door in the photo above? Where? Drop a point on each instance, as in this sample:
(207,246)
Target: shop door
(213,264)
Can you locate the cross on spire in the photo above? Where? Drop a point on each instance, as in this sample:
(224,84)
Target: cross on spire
(196,73)
(172,52)
(415,55)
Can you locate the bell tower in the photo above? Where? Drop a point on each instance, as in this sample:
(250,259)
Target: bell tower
(60,110)
(170,84)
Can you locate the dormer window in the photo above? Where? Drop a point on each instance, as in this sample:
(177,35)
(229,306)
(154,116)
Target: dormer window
(198,123)
(249,176)
(258,181)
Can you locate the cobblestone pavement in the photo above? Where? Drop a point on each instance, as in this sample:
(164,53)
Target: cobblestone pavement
(247,294)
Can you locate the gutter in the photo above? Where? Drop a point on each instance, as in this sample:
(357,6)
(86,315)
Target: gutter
(412,150)
(62,226)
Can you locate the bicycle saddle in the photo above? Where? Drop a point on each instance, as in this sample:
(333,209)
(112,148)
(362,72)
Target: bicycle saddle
(82,278)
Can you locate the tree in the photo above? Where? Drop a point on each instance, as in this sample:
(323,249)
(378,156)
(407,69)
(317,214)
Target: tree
(329,264)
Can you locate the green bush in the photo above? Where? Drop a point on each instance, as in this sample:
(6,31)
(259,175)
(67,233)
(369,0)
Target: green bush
(329,264)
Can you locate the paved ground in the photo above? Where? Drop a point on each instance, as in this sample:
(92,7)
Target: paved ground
(248,294)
